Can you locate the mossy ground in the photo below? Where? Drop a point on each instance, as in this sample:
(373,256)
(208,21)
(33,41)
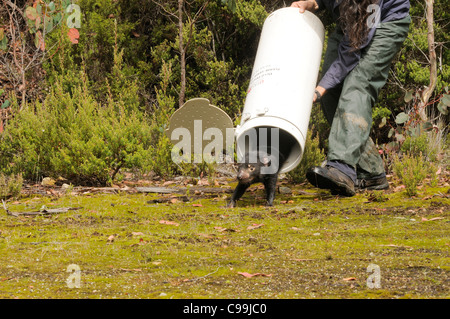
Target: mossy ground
(309,245)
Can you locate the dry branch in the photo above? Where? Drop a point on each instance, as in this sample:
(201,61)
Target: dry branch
(44,211)
(426,94)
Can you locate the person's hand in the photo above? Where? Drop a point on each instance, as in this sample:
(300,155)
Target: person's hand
(309,5)
(321,92)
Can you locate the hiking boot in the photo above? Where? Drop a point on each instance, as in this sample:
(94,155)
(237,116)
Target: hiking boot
(372,184)
(331,178)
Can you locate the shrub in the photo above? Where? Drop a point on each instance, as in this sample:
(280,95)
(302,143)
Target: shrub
(411,170)
(160,160)
(73,136)
(416,145)
(312,156)
(376,196)
(10,186)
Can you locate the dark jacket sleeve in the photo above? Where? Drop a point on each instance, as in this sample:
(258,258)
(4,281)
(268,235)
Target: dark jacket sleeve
(347,59)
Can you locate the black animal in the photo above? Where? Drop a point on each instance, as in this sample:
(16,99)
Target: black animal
(258,167)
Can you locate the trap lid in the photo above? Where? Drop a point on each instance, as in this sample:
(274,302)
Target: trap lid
(201,121)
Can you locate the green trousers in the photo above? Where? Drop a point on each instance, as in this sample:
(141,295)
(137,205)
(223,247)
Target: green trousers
(348,107)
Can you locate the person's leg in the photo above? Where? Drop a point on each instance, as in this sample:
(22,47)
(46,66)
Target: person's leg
(329,101)
(349,142)
(353,118)
(370,169)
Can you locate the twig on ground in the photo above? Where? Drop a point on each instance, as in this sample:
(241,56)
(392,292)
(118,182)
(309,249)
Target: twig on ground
(44,211)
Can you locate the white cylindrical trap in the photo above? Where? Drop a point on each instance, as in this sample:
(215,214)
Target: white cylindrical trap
(282,84)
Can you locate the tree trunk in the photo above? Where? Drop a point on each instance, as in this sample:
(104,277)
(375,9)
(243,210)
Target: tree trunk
(182,54)
(426,94)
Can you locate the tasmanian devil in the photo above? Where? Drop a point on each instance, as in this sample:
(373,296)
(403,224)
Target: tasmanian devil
(258,167)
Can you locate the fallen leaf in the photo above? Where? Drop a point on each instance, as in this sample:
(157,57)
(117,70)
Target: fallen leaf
(168,222)
(246,274)
(111,238)
(73,35)
(254,226)
(429,220)
(206,235)
(400,187)
(349,279)
(137,234)
(197,205)
(124,269)
(203,182)
(53,192)
(295,228)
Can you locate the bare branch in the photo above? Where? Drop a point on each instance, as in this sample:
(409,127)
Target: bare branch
(165,10)
(182,53)
(14,7)
(426,94)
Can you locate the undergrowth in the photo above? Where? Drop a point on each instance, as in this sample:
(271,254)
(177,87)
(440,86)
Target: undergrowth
(10,186)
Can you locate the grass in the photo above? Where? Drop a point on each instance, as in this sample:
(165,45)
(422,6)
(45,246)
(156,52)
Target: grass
(309,245)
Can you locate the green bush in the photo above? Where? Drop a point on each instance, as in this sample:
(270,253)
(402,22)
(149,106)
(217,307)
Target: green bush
(72,136)
(416,145)
(312,156)
(411,170)
(10,186)
(160,159)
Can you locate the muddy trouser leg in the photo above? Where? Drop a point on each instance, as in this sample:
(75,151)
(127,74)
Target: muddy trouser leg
(329,101)
(349,107)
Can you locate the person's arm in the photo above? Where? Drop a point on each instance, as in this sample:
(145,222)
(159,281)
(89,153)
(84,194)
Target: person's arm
(346,61)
